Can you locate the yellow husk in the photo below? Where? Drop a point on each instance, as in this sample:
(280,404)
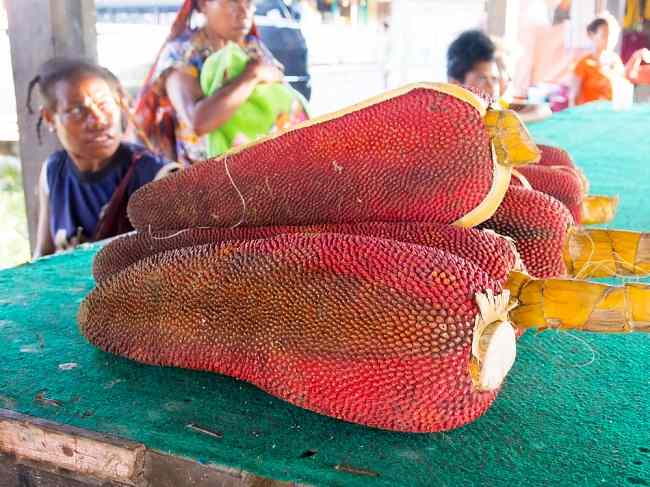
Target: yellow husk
(606,253)
(571,304)
(512,142)
(597,209)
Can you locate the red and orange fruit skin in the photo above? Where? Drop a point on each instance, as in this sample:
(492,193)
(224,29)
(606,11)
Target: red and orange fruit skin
(351,168)
(367,330)
(538,224)
(560,182)
(491,252)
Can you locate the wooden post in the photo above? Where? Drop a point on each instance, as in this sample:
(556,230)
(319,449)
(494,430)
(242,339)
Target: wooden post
(39,30)
(617,9)
(502,19)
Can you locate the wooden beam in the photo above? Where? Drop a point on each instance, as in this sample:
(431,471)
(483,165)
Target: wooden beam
(617,9)
(38,31)
(14,474)
(74,450)
(37,452)
(503,19)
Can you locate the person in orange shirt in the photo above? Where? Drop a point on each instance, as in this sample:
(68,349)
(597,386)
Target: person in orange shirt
(596,72)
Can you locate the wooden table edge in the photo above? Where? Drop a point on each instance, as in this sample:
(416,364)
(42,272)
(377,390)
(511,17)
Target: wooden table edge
(86,456)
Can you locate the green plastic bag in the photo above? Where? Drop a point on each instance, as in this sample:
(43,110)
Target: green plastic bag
(269,108)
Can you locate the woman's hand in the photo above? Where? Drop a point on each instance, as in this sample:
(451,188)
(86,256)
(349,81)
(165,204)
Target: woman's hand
(263,71)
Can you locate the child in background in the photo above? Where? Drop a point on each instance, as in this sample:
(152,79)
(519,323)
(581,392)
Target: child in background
(84,188)
(596,73)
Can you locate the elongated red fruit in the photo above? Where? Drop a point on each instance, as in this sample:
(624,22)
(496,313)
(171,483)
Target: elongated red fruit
(493,253)
(371,331)
(563,183)
(417,154)
(538,224)
(554,156)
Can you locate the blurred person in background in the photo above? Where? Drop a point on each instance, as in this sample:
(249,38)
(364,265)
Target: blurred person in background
(473,60)
(600,74)
(595,72)
(173,113)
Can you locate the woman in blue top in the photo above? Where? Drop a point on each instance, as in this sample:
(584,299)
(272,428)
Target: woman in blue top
(84,188)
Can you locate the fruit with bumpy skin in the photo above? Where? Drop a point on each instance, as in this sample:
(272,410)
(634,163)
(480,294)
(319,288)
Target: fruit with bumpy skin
(373,331)
(421,153)
(491,252)
(563,183)
(551,246)
(594,209)
(538,225)
(554,156)
(368,330)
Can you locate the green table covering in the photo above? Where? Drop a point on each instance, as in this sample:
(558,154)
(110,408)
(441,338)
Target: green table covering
(575,409)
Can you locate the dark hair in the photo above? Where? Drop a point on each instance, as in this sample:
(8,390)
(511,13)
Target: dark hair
(65,69)
(469,48)
(596,24)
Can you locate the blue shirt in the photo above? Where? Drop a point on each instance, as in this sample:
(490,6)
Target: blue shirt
(77,199)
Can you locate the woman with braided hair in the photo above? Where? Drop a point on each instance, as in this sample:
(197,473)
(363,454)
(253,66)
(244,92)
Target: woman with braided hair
(84,188)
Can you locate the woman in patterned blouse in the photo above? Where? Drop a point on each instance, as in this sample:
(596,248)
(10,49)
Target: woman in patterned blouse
(172,110)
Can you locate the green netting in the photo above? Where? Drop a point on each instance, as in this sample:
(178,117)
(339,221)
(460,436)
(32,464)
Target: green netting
(574,411)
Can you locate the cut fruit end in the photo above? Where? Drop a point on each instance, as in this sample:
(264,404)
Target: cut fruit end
(580,305)
(513,144)
(494,343)
(605,253)
(598,209)
(497,350)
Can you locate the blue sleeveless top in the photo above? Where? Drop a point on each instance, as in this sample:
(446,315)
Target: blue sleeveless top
(77,198)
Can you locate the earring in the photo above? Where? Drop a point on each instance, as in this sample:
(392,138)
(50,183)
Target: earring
(50,128)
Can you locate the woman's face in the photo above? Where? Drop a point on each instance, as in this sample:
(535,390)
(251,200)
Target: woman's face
(229,19)
(87,118)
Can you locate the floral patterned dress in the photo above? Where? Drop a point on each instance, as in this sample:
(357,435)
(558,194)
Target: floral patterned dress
(188,53)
